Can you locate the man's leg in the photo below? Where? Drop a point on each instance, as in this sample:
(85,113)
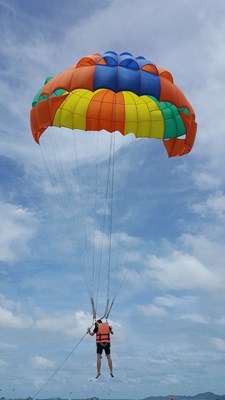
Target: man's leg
(110,364)
(99,356)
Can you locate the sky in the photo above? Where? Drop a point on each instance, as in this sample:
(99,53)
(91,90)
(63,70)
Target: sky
(168,215)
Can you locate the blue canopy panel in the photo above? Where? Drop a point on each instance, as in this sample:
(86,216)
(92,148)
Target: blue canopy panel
(124,73)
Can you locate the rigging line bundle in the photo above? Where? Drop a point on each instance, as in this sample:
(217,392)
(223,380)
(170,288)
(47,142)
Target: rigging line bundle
(111,215)
(63,185)
(64,208)
(107,220)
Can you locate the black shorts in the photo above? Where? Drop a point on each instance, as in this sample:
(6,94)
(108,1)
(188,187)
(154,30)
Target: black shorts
(103,346)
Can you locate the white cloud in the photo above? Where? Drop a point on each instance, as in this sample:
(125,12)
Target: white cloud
(11,314)
(137,279)
(172,379)
(17,228)
(42,363)
(122,238)
(198,264)
(10,346)
(151,310)
(196,318)
(38,382)
(181,271)
(118,239)
(9,303)
(191,363)
(74,324)
(173,301)
(214,205)
(9,319)
(209,250)
(206,181)
(218,344)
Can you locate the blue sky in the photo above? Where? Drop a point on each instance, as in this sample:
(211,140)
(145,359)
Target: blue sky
(168,214)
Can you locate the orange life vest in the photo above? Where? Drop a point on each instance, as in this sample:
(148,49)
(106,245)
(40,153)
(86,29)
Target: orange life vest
(103,334)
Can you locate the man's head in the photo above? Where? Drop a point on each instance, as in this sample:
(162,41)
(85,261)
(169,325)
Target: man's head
(99,321)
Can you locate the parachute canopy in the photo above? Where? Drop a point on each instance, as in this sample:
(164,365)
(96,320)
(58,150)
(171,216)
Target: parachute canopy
(117,93)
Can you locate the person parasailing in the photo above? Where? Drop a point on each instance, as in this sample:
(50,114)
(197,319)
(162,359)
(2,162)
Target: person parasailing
(102,331)
(114,93)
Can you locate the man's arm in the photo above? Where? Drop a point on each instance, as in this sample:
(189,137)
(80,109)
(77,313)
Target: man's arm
(94,331)
(111,330)
(89,331)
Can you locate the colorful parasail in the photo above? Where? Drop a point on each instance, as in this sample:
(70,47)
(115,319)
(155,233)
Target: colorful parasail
(117,93)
